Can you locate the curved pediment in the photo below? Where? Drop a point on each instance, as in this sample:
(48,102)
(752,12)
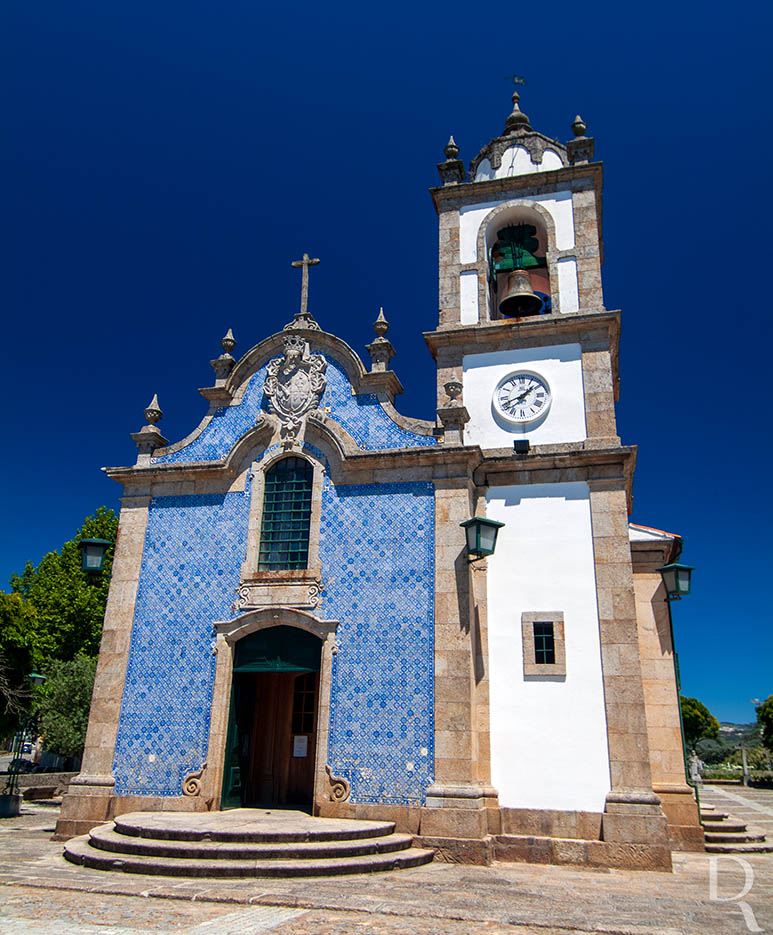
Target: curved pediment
(340,396)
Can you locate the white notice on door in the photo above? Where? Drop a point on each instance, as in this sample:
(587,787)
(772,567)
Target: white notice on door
(300,745)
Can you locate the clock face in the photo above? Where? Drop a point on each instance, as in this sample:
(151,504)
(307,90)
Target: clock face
(522,397)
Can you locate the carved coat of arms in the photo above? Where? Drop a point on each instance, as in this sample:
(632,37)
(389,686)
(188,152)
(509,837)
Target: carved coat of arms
(294,384)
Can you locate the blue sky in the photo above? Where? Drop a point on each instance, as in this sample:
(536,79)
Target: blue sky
(164,163)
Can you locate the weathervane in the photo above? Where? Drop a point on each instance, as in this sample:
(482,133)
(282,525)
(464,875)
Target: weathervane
(516,79)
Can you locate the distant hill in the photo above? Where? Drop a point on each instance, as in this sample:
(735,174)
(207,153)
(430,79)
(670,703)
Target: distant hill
(740,733)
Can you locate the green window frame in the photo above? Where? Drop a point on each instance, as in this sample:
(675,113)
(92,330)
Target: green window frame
(544,644)
(284,529)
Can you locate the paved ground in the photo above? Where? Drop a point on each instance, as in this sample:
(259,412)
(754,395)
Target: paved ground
(47,896)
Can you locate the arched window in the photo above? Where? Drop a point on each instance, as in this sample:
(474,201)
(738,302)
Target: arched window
(284,531)
(518,271)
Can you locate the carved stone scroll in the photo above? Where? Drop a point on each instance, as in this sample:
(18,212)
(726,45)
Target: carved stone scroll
(339,787)
(300,590)
(192,782)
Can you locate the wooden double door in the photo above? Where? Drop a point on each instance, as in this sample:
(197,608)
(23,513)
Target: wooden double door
(272,733)
(280,759)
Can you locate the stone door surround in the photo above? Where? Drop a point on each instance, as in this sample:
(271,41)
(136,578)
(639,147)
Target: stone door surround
(229,633)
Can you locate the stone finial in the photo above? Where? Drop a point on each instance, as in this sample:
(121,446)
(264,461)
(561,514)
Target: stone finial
(581,148)
(149,436)
(451,150)
(380,348)
(579,126)
(224,364)
(228,342)
(381,325)
(453,389)
(451,171)
(517,122)
(153,411)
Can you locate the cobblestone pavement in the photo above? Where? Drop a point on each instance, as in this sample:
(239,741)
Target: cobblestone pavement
(45,895)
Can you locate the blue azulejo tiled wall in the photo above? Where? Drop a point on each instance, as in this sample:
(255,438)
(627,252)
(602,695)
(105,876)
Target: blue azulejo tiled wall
(194,547)
(377,555)
(362,416)
(377,551)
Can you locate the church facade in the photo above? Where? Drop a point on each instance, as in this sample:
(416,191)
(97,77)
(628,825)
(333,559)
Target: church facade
(295,618)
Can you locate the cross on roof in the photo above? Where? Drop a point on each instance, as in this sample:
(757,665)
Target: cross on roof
(306,262)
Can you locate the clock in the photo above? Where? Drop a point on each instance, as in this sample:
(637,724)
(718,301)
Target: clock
(522,397)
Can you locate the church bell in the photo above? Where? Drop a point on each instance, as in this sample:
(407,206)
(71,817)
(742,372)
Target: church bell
(519,299)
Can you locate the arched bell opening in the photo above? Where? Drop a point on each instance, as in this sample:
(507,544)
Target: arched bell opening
(519,281)
(272,737)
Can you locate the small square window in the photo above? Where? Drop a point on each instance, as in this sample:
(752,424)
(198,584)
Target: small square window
(544,652)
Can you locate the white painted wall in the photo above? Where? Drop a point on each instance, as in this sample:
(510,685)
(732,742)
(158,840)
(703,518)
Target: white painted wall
(468,297)
(548,736)
(517,161)
(558,205)
(568,287)
(560,365)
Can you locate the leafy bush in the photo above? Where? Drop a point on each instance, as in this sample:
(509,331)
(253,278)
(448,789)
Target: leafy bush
(63,703)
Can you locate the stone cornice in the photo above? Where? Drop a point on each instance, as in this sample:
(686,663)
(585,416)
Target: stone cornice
(602,468)
(503,334)
(573,177)
(648,556)
(611,466)
(505,331)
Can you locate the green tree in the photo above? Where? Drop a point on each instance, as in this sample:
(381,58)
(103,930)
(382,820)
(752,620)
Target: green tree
(68,603)
(698,721)
(714,751)
(765,720)
(22,649)
(63,702)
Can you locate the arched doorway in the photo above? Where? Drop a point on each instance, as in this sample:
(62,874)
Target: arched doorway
(272,729)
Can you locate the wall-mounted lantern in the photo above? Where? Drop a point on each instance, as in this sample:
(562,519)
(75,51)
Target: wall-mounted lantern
(481,535)
(676,580)
(93,553)
(35,678)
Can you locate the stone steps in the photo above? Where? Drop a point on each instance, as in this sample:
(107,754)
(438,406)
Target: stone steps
(247,824)
(734,826)
(732,837)
(79,851)
(727,835)
(244,843)
(105,838)
(764,848)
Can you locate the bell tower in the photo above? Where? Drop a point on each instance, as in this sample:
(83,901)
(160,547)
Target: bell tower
(527,366)
(520,268)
